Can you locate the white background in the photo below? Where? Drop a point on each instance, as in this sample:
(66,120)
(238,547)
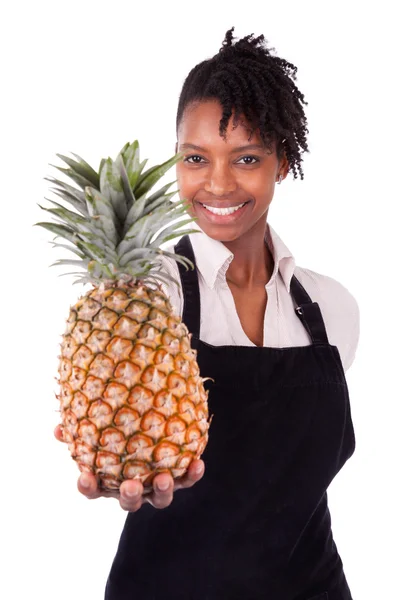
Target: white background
(89,76)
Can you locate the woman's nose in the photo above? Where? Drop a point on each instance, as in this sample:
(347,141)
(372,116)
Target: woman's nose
(220,182)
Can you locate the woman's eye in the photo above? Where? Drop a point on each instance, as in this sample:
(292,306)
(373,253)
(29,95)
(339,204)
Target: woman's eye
(195,159)
(194,156)
(252,158)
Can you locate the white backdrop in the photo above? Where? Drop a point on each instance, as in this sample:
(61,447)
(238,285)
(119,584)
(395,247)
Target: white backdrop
(89,76)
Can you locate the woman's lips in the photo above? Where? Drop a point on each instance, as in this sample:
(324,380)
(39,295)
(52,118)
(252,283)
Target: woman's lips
(221,219)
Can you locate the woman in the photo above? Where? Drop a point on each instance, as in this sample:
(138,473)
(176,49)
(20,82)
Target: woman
(255,523)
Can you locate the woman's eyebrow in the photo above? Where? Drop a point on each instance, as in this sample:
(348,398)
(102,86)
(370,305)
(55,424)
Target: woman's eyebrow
(237,149)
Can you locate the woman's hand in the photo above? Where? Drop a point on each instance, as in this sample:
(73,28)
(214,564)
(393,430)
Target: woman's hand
(130,493)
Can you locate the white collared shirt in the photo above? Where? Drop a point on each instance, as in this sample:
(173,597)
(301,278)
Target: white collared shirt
(220,323)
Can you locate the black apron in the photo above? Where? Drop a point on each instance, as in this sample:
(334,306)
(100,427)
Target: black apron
(257,525)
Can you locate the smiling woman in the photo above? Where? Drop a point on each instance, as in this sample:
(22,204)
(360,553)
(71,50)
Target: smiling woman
(231,183)
(275,338)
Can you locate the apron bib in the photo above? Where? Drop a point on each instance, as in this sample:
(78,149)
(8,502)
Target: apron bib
(257,525)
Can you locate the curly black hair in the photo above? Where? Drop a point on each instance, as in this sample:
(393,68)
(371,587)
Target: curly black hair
(248,80)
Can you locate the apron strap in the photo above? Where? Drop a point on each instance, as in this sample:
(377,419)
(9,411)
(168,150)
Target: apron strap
(308,311)
(190,289)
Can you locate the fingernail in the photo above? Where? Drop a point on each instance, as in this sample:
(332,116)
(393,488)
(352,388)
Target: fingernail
(129,493)
(163,485)
(199,469)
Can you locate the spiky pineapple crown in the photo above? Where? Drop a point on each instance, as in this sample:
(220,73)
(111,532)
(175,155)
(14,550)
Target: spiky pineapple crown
(116,229)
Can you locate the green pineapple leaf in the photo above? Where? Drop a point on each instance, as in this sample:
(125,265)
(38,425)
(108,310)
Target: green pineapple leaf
(73,249)
(126,185)
(117,225)
(126,146)
(77,204)
(143,164)
(78,194)
(65,215)
(111,187)
(103,160)
(67,261)
(158,203)
(82,168)
(60,231)
(131,158)
(153,175)
(79,179)
(133,216)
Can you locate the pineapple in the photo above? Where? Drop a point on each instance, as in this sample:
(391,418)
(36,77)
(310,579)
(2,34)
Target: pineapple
(132,400)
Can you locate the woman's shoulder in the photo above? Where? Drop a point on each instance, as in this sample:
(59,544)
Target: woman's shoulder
(339,308)
(330,291)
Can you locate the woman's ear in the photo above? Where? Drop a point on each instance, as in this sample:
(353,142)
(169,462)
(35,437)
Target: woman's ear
(284,166)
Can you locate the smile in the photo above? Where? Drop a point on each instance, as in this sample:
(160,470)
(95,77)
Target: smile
(223,211)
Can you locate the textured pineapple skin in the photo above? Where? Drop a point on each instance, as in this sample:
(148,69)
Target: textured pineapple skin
(132,401)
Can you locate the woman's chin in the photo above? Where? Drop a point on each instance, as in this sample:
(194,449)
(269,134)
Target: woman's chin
(220,234)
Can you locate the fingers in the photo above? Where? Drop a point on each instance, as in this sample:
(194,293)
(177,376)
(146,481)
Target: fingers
(193,475)
(87,485)
(163,486)
(58,432)
(131,495)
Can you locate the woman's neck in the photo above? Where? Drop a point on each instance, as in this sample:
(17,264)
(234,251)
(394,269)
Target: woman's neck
(253,263)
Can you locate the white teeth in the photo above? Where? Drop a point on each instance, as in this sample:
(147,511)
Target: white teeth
(223,211)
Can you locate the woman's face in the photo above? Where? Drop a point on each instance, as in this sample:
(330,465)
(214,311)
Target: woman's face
(235,177)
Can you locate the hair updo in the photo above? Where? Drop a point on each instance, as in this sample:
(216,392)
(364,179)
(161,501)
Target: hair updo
(249,80)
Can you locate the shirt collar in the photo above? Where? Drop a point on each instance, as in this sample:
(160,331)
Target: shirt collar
(213,258)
